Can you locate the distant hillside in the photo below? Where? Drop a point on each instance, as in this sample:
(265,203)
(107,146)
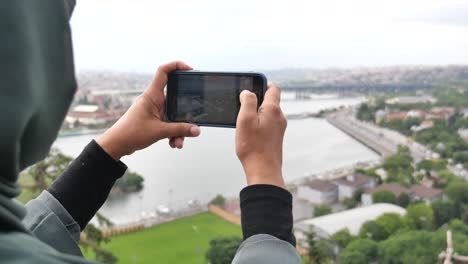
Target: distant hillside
(371,79)
(385,79)
(113,80)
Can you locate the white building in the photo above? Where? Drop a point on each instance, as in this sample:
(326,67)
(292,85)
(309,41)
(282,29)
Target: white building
(86,115)
(318,192)
(463,134)
(353,219)
(350,184)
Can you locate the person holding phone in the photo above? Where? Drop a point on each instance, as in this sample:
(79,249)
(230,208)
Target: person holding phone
(37,86)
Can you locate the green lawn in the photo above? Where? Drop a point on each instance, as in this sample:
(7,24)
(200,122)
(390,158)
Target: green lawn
(182,241)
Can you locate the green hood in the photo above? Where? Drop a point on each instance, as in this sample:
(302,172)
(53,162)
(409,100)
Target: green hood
(37,84)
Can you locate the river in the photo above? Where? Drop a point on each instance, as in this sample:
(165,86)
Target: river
(208,165)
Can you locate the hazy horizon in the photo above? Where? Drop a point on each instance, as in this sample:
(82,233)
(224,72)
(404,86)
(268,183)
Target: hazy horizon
(137,36)
(318,69)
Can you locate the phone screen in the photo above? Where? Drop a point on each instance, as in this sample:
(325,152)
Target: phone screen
(209,99)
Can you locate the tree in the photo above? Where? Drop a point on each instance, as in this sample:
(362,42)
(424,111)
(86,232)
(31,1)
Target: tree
(420,216)
(129,182)
(352,257)
(42,174)
(418,247)
(432,165)
(403,200)
(448,176)
(342,237)
(359,251)
(457,191)
(390,222)
(316,253)
(384,197)
(399,167)
(222,250)
(322,210)
(366,113)
(219,200)
(93,238)
(374,231)
(403,126)
(349,203)
(444,211)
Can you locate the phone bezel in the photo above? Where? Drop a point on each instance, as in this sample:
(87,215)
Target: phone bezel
(171,92)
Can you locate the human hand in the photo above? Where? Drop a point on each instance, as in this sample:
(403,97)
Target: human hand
(143,124)
(259,137)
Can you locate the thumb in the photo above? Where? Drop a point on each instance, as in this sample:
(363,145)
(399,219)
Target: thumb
(248,108)
(180,130)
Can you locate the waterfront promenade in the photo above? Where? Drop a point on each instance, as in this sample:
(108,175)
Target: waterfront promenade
(381,140)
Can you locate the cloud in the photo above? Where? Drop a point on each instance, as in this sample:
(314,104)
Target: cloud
(243,34)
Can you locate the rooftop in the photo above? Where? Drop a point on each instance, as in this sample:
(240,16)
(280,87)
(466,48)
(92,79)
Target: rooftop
(351,219)
(320,185)
(417,190)
(86,108)
(353,180)
(398,115)
(394,188)
(425,192)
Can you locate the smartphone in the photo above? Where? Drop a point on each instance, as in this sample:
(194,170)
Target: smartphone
(210,98)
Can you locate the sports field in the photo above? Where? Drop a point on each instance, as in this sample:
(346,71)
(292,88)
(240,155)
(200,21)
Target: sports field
(182,241)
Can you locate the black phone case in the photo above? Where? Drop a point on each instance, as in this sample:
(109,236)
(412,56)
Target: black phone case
(170,91)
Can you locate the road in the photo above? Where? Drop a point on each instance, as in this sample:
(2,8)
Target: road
(382,140)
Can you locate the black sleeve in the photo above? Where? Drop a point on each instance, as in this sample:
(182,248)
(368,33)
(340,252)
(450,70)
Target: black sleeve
(85,185)
(267,209)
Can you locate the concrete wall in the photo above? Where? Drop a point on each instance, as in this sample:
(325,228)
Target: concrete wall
(345,191)
(366,199)
(315,196)
(348,191)
(224,214)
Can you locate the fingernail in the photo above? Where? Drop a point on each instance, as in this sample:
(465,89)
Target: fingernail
(195,131)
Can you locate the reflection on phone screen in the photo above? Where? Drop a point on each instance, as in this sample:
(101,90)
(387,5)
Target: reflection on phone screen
(210,99)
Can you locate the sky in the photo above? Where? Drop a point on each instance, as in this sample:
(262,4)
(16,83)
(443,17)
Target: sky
(139,35)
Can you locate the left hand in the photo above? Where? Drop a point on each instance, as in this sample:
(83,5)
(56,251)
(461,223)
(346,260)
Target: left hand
(143,124)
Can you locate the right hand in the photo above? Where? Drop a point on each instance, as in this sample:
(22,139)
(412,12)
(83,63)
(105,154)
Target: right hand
(259,137)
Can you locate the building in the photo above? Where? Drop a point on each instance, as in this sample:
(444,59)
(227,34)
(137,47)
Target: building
(424,125)
(441,113)
(425,194)
(416,114)
(89,115)
(397,190)
(463,134)
(396,116)
(415,193)
(464,112)
(380,115)
(350,184)
(382,173)
(326,226)
(411,100)
(318,192)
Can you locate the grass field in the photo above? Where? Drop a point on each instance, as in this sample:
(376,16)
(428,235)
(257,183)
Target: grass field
(182,241)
